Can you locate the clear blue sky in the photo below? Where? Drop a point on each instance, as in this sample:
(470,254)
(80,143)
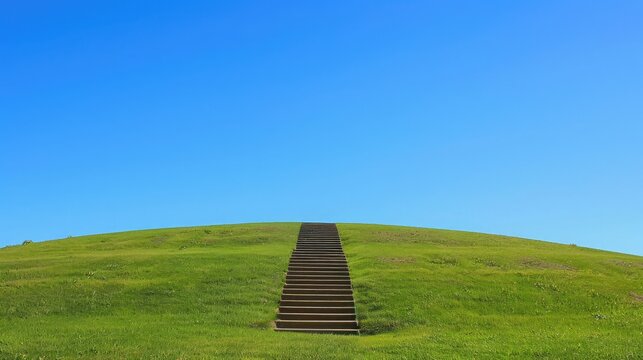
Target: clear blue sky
(513,117)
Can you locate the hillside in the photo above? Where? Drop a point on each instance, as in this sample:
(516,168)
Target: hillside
(212,292)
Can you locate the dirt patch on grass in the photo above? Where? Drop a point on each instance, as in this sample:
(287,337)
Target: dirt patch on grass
(636,297)
(392,235)
(487,262)
(268,228)
(540,264)
(411,237)
(627,264)
(397,260)
(159,239)
(443,260)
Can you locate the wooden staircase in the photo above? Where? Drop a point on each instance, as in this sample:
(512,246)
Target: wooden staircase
(318,296)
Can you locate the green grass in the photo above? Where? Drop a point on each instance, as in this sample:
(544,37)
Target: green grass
(212,292)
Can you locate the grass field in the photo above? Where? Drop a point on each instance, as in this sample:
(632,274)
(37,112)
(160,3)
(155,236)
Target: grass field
(212,292)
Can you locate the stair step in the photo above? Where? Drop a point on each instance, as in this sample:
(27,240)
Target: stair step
(334,244)
(318,264)
(337,246)
(331,303)
(316,316)
(317,324)
(317,259)
(313,260)
(317,268)
(318,256)
(318,280)
(322,242)
(336,267)
(322,331)
(310,264)
(332,252)
(317,241)
(311,279)
(316,309)
(318,236)
(318,247)
(322,253)
(318,272)
(289,291)
(317,277)
(320,297)
(317,285)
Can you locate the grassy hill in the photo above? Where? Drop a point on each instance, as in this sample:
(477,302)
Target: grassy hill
(212,292)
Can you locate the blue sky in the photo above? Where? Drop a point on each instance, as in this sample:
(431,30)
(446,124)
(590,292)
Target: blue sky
(518,118)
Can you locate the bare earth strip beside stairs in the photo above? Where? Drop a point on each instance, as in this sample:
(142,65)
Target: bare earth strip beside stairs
(318,296)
